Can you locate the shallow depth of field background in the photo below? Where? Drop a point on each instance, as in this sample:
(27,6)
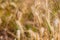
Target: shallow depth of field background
(29,19)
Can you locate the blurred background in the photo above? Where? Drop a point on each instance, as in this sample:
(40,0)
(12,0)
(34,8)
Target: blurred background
(29,19)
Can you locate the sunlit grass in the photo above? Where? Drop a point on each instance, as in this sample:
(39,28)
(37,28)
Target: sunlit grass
(30,19)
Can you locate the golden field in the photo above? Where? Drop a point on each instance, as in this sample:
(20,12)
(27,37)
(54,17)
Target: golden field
(29,19)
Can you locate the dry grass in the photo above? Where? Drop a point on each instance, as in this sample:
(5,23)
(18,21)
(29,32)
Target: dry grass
(29,19)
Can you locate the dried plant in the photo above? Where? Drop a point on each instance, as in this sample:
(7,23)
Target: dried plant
(29,19)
